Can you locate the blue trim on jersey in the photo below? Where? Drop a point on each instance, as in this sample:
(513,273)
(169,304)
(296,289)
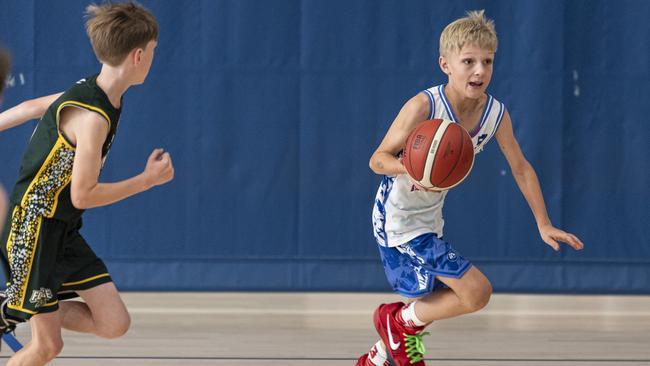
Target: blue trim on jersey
(486,111)
(450,111)
(499,118)
(432,105)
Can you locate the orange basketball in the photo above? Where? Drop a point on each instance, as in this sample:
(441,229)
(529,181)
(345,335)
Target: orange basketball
(439,154)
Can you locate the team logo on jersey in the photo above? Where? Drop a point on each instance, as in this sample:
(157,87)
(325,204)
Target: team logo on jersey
(40,297)
(452,256)
(481,138)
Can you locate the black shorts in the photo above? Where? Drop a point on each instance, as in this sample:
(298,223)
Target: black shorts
(45,261)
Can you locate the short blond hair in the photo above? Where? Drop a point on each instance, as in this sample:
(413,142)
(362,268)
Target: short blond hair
(475,28)
(116,29)
(5,66)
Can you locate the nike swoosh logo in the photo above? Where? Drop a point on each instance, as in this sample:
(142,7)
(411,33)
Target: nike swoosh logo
(394,346)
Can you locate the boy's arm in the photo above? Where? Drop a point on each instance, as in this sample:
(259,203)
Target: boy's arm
(528,183)
(384,160)
(26,111)
(90,131)
(3,206)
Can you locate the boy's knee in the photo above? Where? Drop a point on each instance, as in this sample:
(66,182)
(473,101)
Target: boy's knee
(480,297)
(116,328)
(484,296)
(48,349)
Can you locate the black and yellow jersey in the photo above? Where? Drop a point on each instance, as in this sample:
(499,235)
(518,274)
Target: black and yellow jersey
(43,185)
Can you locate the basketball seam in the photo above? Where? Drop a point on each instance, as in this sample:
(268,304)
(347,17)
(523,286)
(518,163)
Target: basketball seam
(462,145)
(440,133)
(468,170)
(466,174)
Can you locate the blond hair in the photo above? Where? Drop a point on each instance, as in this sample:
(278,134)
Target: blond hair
(5,66)
(116,29)
(473,29)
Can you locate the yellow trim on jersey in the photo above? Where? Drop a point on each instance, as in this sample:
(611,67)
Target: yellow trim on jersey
(23,202)
(61,141)
(82,105)
(40,171)
(25,284)
(56,195)
(86,280)
(9,243)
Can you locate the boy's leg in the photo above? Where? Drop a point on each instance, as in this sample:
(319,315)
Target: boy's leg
(76,316)
(465,295)
(420,266)
(46,341)
(84,274)
(103,313)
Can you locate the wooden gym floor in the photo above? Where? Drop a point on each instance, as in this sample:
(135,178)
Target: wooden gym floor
(319,329)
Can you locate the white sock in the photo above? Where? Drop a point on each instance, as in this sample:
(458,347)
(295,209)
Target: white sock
(410,319)
(377,354)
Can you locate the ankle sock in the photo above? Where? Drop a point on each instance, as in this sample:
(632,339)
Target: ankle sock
(407,316)
(377,355)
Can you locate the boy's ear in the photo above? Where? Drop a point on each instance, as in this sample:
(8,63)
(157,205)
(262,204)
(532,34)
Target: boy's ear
(138,55)
(135,56)
(444,66)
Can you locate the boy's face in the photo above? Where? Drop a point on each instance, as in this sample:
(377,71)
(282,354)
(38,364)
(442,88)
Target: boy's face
(469,70)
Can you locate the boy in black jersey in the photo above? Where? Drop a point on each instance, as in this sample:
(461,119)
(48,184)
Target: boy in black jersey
(45,258)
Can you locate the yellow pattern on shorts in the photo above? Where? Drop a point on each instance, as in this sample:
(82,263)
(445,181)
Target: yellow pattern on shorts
(21,246)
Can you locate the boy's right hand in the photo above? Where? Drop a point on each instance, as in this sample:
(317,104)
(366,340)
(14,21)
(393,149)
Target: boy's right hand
(159,169)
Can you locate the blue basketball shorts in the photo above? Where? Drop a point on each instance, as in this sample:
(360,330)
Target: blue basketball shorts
(411,268)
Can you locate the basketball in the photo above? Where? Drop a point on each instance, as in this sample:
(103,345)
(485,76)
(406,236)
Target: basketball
(438,154)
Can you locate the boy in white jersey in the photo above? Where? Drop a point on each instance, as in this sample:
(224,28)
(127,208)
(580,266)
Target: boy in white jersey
(407,219)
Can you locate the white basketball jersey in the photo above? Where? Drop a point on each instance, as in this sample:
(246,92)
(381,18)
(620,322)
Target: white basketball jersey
(401,212)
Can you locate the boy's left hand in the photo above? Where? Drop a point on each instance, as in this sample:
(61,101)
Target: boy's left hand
(551,235)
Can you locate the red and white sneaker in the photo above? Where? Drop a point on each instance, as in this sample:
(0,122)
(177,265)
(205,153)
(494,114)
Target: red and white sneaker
(365,361)
(362,361)
(404,345)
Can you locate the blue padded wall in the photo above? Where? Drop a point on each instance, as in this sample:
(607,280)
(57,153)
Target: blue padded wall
(271,110)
